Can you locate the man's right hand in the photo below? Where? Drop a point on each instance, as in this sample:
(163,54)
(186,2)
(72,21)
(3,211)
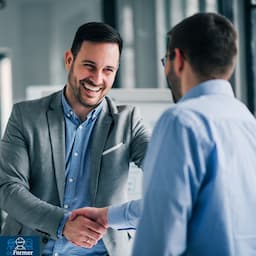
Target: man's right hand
(83,231)
(100,215)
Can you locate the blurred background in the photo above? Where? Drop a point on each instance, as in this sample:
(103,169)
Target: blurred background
(34,35)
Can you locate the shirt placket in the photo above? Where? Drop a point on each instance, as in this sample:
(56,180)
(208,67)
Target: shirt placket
(73,172)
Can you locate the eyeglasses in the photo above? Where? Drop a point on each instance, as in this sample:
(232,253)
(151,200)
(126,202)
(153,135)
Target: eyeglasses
(164,59)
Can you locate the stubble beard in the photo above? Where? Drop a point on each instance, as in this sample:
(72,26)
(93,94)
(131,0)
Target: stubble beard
(174,85)
(76,88)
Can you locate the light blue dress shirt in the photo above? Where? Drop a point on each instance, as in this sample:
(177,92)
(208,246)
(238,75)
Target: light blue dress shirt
(125,216)
(200,178)
(77,174)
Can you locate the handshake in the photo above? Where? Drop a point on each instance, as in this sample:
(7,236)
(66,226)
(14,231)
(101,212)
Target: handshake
(86,226)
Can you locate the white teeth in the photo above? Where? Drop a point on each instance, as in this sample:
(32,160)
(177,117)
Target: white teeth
(91,88)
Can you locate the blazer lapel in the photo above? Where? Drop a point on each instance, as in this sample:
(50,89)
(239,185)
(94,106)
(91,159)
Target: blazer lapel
(57,136)
(99,136)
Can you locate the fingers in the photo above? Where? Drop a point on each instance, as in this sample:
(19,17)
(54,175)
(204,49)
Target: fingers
(97,214)
(91,225)
(83,231)
(88,243)
(77,212)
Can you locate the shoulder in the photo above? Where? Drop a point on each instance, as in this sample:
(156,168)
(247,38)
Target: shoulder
(127,116)
(121,109)
(182,115)
(38,104)
(182,118)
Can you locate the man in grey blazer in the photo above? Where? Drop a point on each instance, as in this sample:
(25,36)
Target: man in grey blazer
(72,149)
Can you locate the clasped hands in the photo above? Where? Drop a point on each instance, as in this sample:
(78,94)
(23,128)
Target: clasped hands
(86,226)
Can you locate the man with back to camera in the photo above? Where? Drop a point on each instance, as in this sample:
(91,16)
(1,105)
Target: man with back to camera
(199,181)
(72,149)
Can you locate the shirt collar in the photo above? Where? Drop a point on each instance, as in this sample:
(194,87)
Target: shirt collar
(215,86)
(70,114)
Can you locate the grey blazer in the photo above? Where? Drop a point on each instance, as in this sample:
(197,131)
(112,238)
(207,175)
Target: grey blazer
(32,166)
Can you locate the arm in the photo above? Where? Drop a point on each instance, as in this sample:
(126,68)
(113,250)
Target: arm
(124,216)
(15,196)
(174,168)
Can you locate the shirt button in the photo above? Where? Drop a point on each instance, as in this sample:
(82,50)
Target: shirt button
(56,254)
(70,179)
(66,206)
(45,240)
(76,154)
(80,127)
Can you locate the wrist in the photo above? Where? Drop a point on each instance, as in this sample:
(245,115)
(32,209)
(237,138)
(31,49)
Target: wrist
(104,217)
(60,230)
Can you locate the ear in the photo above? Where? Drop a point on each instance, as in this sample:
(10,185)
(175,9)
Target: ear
(68,58)
(178,61)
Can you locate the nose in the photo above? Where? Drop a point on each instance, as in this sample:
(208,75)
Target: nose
(97,77)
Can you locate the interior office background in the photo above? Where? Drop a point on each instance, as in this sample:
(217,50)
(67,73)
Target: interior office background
(34,34)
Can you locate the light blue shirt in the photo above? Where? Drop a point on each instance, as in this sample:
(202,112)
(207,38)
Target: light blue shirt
(77,174)
(125,216)
(200,178)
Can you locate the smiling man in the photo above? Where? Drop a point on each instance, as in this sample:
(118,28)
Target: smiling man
(91,75)
(72,149)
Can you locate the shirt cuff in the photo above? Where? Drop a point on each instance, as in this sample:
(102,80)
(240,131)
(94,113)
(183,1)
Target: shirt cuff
(124,216)
(62,224)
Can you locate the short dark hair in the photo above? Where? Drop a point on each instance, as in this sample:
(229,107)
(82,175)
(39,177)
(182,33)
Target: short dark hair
(208,41)
(95,32)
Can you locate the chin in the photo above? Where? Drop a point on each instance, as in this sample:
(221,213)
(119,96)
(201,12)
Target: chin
(91,103)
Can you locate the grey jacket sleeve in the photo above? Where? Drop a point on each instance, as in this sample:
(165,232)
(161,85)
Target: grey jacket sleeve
(15,196)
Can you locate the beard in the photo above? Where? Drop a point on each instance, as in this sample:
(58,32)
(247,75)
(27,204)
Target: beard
(77,87)
(174,85)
